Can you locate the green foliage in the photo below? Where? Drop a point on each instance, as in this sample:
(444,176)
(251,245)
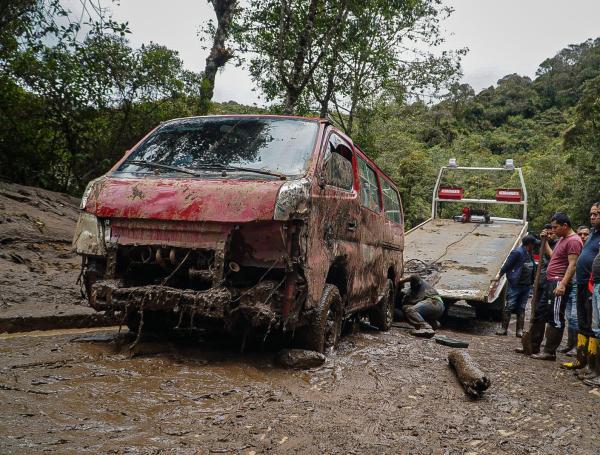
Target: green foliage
(72,102)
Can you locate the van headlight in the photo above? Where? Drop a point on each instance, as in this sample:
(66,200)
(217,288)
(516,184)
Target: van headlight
(89,236)
(292,199)
(87,192)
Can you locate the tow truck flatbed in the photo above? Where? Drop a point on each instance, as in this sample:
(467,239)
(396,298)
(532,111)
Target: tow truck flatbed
(468,250)
(469,255)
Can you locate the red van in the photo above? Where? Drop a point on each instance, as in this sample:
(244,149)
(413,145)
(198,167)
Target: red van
(245,222)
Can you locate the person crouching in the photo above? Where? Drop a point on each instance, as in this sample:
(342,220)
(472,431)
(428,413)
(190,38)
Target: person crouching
(421,305)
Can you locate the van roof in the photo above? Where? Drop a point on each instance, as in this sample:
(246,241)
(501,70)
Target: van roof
(294,117)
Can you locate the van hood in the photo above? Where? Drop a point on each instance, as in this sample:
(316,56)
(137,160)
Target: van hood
(223,200)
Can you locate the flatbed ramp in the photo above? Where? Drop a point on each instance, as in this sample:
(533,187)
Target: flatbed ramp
(469,254)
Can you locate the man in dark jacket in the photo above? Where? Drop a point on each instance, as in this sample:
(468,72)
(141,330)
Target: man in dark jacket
(421,306)
(519,269)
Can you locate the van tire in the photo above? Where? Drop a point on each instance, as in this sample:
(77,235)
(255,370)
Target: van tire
(324,329)
(382,316)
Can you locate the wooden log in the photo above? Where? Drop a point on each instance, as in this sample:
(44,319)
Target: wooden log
(470,376)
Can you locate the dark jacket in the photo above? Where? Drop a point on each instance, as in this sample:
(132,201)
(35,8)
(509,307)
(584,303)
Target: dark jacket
(419,290)
(514,265)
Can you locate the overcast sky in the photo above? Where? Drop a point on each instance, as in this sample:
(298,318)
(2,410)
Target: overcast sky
(503,36)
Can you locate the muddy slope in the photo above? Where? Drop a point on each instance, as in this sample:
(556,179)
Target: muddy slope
(38,270)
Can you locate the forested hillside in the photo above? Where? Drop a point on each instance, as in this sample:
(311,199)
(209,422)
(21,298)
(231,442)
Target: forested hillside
(71,105)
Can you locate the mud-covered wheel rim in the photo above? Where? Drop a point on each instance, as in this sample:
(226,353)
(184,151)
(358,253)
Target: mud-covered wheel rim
(389,306)
(332,328)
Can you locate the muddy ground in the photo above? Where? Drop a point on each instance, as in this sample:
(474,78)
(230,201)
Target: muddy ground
(379,393)
(80,391)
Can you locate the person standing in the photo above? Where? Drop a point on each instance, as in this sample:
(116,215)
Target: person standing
(519,269)
(571,311)
(540,315)
(559,273)
(593,377)
(585,335)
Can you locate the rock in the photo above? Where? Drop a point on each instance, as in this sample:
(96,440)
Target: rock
(299,358)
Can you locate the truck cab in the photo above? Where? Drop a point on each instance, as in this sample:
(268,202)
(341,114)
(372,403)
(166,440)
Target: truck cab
(255,223)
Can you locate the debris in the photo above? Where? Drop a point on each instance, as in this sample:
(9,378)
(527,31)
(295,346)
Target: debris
(470,376)
(451,342)
(299,358)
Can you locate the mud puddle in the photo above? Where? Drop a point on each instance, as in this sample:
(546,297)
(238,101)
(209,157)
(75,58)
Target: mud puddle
(379,393)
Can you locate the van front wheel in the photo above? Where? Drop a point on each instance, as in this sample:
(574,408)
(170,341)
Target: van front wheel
(325,327)
(382,315)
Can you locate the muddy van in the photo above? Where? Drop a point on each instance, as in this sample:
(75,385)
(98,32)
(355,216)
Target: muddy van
(246,223)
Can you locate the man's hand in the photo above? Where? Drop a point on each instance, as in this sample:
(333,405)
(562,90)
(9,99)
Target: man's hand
(560,289)
(544,234)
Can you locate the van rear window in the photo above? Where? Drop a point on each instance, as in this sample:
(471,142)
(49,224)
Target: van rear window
(369,190)
(391,202)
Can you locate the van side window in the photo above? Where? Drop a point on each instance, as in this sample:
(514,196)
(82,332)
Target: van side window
(369,192)
(391,202)
(337,164)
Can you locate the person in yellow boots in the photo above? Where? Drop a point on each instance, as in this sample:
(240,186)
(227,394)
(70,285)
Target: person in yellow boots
(584,296)
(593,377)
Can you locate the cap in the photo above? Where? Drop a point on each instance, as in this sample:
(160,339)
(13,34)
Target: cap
(529,240)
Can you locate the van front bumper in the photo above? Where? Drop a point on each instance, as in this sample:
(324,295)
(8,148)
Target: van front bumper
(258,306)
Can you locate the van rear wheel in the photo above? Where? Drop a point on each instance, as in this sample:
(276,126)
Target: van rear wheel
(325,327)
(382,315)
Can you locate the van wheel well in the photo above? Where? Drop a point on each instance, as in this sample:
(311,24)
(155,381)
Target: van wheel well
(338,276)
(391,274)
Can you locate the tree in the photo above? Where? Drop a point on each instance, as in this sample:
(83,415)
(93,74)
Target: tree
(219,55)
(343,51)
(286,41)
(380,53)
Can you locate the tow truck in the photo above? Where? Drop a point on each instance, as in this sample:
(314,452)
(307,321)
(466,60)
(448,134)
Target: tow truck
(463,252)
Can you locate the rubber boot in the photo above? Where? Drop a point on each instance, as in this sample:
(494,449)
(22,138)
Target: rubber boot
(534,336)
(520,325)
(553,339)
(581,359)
(503,331)
(590,372)
(595,381)
(571,341)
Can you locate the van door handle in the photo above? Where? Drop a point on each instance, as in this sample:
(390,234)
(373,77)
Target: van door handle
(352,225)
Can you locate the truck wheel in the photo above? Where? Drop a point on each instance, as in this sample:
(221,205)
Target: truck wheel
(382,315)
(324,329)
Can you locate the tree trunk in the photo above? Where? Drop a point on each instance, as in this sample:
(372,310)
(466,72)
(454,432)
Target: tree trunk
(219,54)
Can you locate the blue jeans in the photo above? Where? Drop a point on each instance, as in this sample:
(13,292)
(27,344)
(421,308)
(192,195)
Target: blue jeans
(571,310)
(596,310)
(516,299)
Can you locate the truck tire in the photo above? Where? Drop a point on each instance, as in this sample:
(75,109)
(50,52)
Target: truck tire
(382,315)
(325,327)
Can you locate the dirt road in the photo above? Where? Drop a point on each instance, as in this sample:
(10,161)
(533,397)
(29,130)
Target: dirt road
(75,392)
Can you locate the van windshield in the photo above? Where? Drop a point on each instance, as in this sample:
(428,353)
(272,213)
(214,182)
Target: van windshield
(279,146)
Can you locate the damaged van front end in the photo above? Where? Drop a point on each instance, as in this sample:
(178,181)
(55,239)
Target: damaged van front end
(204,235)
